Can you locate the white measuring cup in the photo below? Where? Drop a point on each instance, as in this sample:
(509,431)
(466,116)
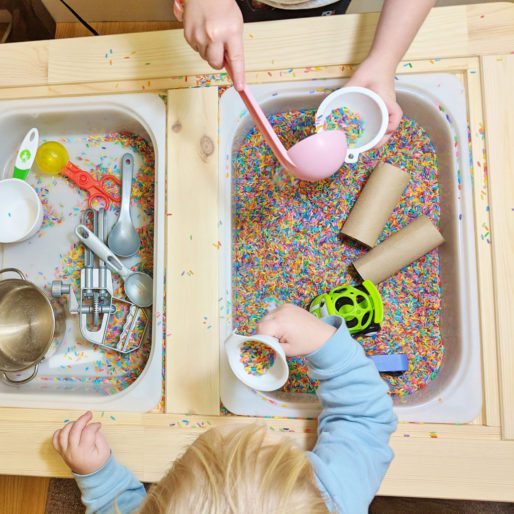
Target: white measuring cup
(21,211)
(371,109)
(273,378)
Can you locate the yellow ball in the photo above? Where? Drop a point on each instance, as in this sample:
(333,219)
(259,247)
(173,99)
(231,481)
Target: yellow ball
(51,158)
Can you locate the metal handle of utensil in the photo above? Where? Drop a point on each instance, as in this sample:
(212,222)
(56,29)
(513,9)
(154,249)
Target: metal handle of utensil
(13,270)
(89,256)
(127,172)
(24,380)
(101,251)
(100,232)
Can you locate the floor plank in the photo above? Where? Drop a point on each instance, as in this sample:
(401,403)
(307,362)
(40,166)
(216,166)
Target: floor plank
(23,495)
(68,30)
(396,505)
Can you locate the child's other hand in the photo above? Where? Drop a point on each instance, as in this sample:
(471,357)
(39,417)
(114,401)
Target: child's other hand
(299,331)
(82,446)
(214,29)
(371,74)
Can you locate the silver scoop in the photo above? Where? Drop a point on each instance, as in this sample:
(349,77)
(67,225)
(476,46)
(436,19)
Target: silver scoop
(138,285)
(123,239)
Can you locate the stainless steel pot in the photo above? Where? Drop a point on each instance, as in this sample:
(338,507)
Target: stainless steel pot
(27,326)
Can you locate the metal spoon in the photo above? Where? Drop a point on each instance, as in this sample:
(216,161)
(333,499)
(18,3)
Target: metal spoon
(138,285)
(124,239)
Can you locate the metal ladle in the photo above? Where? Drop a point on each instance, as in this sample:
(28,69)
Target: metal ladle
(138,285)
(123,238)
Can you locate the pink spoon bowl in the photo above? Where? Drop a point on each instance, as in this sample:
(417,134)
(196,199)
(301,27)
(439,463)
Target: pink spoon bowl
(314,158)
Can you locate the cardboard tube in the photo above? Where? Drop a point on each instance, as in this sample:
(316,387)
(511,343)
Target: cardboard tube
(399,250)
(376,203)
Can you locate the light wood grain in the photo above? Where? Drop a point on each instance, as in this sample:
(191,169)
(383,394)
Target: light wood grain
(23,495)
(498,84)
(449,32)
(444,461)
(487,26)
(71,29)
(268,46)
(214,80)
(491,408)
(192,349)
(24,64)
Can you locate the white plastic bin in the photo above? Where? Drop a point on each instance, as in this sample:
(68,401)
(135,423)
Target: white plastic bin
(64,381)
(455,395)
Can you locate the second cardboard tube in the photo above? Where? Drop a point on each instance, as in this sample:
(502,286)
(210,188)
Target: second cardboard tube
(399,250)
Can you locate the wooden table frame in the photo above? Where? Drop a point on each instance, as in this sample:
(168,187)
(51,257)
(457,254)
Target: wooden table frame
(472,461)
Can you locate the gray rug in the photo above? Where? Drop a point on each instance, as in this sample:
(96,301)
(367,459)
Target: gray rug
(64,498)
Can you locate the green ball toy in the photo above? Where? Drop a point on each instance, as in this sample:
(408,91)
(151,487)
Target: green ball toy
(360,306)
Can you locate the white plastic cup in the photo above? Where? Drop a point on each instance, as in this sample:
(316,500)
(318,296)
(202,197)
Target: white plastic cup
(21,211)
(371,109)
(274,378)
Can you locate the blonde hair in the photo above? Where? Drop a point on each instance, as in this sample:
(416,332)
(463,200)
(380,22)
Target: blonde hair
(238,472)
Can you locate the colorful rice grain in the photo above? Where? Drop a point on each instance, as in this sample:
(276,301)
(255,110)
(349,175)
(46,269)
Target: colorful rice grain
(348,121)
(256,357)
(287,244)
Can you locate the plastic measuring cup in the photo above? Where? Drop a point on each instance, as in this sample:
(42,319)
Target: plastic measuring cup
(371,109)
(314,158)
(273,378)
(21,211)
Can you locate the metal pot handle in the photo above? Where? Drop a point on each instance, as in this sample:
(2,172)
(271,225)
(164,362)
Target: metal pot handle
(14,270)
(23,381)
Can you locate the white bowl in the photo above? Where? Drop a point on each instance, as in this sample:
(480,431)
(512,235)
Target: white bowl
(368,105)
(274,378)
(21,211)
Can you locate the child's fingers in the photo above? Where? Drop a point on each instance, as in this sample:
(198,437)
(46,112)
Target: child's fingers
(235,55)
(63,436)
(395,116)
(55,440)
(269,327)
(88,436)
(215,54)
(78,426)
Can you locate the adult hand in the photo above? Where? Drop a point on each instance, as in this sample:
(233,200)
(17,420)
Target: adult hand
(82,446)
(373,75)
(214,29)
(298,331)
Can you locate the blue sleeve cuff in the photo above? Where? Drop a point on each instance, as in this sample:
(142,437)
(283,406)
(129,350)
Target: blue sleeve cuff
(113,484)
(105,470)
(336,352)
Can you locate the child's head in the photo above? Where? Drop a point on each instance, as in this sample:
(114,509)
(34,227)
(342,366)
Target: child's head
(238,469)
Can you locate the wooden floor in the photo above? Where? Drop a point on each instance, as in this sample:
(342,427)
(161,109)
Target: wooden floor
(67,30)
(23,495)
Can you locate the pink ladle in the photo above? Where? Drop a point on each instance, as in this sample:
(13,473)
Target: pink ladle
(314,158)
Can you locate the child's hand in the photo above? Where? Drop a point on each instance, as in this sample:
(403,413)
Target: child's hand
(299,332)
(214,29)
(372,75)
(82,446)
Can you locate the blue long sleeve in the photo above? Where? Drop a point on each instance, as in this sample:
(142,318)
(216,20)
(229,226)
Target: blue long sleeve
(111,489)
(352,453)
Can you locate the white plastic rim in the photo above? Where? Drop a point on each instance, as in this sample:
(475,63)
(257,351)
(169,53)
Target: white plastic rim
(277,374)
(371,108)
(21,211)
